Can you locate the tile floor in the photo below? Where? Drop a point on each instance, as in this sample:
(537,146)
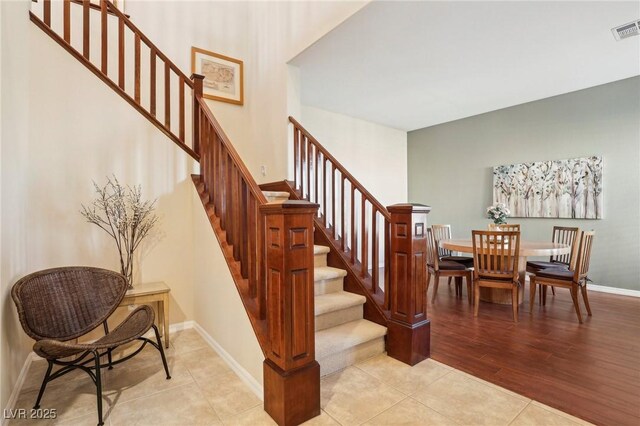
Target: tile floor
(204,391)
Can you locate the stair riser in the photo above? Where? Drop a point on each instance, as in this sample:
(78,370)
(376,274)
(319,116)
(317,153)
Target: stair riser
(342,360)
(342,316)
(328,286)
(320,260)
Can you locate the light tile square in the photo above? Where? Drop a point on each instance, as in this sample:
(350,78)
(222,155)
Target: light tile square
(469,401)
(352,396)
(410,412)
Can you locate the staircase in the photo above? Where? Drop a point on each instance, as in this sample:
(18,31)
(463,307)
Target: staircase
(343,337)
(305,256)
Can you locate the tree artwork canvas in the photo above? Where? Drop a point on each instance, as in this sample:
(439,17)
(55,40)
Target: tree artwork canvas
(558,189)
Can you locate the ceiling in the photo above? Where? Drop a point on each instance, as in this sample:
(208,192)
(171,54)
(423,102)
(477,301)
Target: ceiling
(410,65)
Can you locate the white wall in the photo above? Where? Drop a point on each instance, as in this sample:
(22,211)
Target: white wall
(376,155)
(451,168)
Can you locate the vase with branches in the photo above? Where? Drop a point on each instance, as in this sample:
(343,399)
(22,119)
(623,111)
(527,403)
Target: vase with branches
(121,212)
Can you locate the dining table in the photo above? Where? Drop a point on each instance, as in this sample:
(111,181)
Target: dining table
(527,249)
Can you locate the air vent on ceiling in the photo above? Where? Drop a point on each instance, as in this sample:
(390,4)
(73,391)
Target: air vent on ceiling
(627,30)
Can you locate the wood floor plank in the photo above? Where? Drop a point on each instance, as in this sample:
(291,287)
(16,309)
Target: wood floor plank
(591,371)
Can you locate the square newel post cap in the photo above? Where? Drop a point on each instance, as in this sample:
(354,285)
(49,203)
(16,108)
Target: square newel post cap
(195,76)
(409,208)
(290,207)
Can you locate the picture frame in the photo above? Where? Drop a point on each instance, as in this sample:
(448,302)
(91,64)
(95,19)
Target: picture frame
(223,75)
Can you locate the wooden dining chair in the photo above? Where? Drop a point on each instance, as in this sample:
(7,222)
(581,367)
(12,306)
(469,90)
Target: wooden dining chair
(572,279)
(510,227)
(443,232)
(495,260)
(444,268)
(562,235)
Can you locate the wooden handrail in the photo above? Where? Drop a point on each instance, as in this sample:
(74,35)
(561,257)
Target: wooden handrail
(361,238)
(173,127)
(360,187)
(255,189)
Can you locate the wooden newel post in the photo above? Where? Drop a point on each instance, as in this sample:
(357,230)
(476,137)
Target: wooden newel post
(409,330)
(291,372)
(197,94)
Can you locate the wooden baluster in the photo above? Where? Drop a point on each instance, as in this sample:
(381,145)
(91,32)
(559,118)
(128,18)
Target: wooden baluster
(261,288)
(86,33)
(291,373)
(66,20)
(408,338)
(387,264)
(121,52)
(309,166)
(296,153)
(316,164)
(353,223)
(104,35)
(343,243)
(47,12)
(364,238)
(152,91)
(197,95)
(222,185)
(181,110)
(167,95)
(324,190)
(243,213)
(136,80)
(375,275)
(251,244)
(236,194)
(333,201)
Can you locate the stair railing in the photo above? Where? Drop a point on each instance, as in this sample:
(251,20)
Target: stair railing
(370,238)
(268,246)
(157,106)
(355,219)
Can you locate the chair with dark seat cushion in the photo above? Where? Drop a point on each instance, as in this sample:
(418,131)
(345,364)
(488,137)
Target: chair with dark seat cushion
(572,279)
(57,306)
(444,268)
(443,232)
(561,235)
(495,256)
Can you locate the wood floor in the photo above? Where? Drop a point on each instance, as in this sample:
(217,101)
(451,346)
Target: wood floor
(591,371)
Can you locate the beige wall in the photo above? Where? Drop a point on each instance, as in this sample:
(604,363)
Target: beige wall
(14,177)
(376,155)
(450,168)
(66,129)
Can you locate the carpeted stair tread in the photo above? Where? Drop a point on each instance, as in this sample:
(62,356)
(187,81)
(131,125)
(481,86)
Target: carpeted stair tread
(322,273)
(344,336)
(331,302)
(320,250)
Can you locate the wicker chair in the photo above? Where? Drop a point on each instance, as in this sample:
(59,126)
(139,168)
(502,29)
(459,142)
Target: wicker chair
(57,306)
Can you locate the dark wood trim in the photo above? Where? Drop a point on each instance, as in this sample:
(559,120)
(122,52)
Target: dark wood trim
(112,85)
(408,338)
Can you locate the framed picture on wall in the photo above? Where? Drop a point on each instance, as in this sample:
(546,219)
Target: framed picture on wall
(223,76)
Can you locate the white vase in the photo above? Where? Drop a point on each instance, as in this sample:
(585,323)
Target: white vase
(494,227)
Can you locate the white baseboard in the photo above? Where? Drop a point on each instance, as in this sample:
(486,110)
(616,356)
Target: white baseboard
(179,326)
(614,290)
(17,388)
(244,375)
